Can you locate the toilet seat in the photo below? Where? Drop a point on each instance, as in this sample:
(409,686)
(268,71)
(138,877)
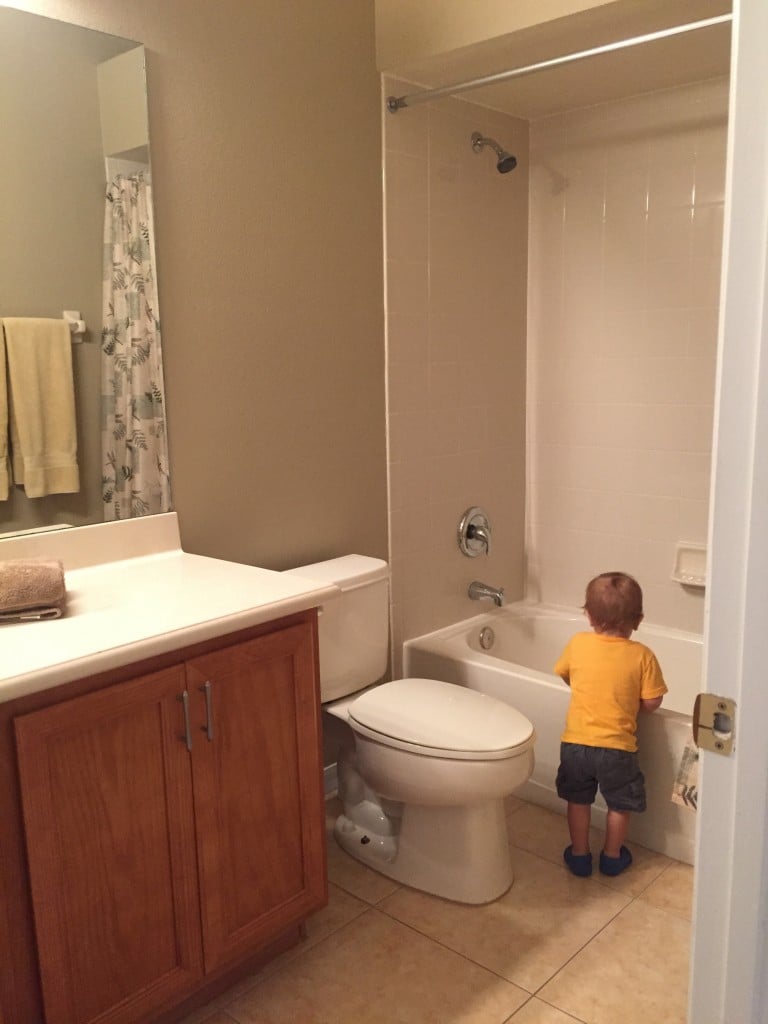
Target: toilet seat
(439,719)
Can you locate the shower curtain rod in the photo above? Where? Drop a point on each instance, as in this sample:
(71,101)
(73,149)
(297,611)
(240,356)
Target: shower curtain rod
(395,103)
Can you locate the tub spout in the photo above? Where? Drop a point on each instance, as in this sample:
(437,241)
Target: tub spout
(478,591)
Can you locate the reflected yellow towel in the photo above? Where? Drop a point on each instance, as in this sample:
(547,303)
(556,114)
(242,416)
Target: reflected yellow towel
(42,405)
(5,466)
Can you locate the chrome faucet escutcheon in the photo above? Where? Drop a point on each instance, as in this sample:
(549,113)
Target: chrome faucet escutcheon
(474,534)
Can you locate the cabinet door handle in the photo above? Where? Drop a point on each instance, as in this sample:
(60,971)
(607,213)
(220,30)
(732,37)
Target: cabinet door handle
(207,689)
(184,698)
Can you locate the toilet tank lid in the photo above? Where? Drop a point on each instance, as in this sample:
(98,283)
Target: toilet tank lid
(346,572)
(435,714)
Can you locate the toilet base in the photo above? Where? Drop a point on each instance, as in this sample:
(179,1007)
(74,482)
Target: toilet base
(459,853)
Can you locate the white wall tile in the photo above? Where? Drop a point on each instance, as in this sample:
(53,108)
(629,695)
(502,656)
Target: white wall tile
(406,386)
(407,338)
(624,269)
(409,484)
(623,284)
(407,285)
(457,263)
(405,134)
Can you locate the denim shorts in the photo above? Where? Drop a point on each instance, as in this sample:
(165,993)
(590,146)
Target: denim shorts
(617,773)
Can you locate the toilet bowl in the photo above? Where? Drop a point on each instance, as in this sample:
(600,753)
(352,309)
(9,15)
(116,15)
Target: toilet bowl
(424,779)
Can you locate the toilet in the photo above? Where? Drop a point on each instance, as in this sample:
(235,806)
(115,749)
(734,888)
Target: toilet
(423,787)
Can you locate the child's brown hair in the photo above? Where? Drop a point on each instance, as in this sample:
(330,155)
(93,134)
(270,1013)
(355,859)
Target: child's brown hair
(614,602)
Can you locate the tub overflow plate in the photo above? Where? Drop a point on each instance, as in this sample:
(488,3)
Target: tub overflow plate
(487,637)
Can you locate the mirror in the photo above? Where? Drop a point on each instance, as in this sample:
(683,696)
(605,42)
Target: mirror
(74,114)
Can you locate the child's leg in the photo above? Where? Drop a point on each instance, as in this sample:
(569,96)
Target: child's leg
(616,825)
(623,786)
(577,784)
(578,825)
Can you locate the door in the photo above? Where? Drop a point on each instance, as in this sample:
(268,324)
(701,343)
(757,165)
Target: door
(257,770)
(107,799)
(728,979)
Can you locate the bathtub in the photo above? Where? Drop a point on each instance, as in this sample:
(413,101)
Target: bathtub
(517,669)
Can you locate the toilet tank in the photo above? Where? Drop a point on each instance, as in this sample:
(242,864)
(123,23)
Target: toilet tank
(354,627)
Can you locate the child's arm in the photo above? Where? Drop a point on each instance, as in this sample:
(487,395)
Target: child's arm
(563,667)
(650,705)
(653,682)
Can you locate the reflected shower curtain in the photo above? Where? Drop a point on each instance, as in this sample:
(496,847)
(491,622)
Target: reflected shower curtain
(135,479)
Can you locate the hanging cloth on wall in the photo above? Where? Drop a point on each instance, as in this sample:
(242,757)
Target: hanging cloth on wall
(685,790)
(135,480)
(41,406)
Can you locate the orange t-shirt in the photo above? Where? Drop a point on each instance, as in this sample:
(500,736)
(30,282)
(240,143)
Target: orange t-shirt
(608,677)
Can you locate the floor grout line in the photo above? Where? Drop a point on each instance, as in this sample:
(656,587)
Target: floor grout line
(581,949)
(286,960)
(565,1013)
(490,970)
(633,899)
(456,952)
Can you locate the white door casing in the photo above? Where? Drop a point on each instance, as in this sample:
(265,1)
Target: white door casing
(729,956)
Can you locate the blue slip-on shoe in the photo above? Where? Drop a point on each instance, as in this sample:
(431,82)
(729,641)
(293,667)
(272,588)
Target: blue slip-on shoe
(579,863)
(615,865)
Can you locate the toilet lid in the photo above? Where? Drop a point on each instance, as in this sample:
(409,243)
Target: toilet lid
(441,719)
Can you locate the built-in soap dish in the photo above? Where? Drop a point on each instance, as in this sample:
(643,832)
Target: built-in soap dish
(690,565)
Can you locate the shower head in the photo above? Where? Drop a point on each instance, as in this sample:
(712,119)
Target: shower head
(505,162)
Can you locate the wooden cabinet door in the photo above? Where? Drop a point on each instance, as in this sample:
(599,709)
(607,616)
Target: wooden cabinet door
(257,790)
(107,797)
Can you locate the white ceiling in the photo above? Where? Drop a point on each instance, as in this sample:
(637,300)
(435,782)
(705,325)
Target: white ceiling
(693,56)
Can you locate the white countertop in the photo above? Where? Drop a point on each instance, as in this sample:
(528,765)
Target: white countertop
(122,611)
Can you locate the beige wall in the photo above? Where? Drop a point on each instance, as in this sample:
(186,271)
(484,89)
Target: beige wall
(457,235)
(266,154)
(626,238)
(123,102)
(413,29)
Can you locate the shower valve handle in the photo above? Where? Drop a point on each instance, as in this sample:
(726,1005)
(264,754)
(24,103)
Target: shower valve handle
(481,534)
(474,534)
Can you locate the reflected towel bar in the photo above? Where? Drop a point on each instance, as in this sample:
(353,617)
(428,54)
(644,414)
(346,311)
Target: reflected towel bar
(77,326)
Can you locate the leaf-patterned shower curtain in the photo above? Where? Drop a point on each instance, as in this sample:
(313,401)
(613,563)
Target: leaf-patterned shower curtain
(135,479)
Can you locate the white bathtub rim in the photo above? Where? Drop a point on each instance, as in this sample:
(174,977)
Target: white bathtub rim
(527,606)
(666,828)
(443,643)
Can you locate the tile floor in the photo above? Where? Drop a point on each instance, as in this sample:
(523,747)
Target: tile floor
(553,950)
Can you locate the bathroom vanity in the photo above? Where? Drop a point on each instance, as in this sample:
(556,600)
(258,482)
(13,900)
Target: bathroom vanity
(160,780)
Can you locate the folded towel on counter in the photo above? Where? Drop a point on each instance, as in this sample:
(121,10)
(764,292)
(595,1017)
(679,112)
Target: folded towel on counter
(30,589)
(41,405)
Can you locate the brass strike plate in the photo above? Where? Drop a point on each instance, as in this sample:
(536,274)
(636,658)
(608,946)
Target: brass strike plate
(714,723)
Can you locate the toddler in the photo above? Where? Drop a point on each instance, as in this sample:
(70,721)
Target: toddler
(611,678)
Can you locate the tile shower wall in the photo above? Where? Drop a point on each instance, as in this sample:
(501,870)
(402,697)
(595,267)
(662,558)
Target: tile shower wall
(456,265)
(626,237)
